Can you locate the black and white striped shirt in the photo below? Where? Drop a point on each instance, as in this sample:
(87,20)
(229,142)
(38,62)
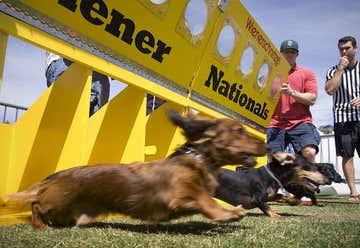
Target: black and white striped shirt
(348,90)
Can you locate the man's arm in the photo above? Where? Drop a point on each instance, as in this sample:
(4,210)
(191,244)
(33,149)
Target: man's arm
(334,83)
(305,98)
(308,97)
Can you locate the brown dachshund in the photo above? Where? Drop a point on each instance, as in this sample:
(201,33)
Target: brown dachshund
(178,185)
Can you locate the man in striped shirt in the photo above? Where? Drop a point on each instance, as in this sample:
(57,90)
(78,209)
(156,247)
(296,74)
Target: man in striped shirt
(343,83)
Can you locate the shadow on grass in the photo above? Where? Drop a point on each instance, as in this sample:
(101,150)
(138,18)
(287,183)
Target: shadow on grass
(190,227)
(319,216)
(282,214)
(320,201)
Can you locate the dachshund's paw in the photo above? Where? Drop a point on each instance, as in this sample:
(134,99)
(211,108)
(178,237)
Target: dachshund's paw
(233,214)
(240,211)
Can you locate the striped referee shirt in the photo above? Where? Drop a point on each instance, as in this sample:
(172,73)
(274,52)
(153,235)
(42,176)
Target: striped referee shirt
(348,90)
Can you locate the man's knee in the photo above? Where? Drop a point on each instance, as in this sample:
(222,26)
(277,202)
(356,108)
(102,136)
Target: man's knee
(309,152)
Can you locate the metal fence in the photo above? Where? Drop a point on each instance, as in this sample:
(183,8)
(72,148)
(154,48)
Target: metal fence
(9,113)
(327,154)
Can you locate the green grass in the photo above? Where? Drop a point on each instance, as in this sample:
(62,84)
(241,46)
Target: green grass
(336,224)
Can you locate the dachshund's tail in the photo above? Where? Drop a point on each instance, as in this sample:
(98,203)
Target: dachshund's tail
(19,202)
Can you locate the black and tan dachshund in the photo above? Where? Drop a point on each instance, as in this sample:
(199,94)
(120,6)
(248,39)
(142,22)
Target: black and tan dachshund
(253,187)
(300,191)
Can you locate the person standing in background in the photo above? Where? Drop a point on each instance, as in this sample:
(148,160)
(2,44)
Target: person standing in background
(343,83)
(291,122)
(100,87)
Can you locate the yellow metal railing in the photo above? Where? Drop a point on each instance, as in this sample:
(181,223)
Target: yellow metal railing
(185,69)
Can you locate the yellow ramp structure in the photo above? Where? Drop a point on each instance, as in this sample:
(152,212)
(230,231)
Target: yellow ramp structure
(206,55)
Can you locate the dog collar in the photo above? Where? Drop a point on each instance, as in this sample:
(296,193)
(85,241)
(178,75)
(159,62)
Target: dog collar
(275,178)
(187,150)
(191,150)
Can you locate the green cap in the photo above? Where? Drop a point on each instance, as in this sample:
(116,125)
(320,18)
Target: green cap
(289,44)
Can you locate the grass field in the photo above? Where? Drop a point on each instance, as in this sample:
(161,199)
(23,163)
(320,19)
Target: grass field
(337,224)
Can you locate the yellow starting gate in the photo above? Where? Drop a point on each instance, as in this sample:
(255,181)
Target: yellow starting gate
(207,55)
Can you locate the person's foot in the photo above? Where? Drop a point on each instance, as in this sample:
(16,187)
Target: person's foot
(354,198)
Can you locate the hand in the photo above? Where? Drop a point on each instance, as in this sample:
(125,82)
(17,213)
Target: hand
(72,33)
(286,89)
(343,63)
(284,158)
(355,102)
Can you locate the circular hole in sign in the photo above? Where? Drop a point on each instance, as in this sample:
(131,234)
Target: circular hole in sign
(263,75)
(226,40)
(196,16)
(275,87)
(247,60)
(158,1)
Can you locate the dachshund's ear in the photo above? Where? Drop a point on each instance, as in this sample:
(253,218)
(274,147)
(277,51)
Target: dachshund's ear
(284,158)
(192,127)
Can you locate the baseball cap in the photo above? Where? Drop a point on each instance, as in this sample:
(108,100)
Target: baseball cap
(289,44)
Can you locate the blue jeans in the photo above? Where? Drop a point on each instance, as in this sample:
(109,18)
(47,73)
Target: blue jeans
(300,136)
(100,87)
